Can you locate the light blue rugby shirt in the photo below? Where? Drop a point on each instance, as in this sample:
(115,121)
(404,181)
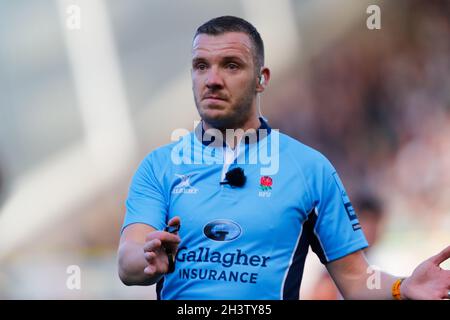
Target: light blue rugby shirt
(245,242)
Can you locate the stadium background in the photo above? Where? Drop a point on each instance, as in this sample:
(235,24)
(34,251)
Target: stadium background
(80,108)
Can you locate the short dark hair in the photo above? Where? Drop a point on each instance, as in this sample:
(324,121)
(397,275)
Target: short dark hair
(223,24)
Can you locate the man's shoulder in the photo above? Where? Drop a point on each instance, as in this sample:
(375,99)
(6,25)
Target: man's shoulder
(162,154)
(301,152)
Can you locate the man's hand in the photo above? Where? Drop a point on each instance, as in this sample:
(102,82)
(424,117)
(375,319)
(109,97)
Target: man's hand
(157,245)
(428,281)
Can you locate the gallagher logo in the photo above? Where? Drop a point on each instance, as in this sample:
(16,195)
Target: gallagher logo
(222,230)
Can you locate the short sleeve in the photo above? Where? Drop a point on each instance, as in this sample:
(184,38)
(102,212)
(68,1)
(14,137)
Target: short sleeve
(336,229)
(146,202)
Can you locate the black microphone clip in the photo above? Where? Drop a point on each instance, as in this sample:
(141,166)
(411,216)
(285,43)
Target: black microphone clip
(235,177)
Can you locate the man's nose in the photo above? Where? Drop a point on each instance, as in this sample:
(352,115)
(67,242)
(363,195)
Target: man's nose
(214,79)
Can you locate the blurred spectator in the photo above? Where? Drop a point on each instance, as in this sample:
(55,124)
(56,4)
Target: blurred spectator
(377,104)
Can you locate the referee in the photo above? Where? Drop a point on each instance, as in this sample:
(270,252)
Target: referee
(230,210)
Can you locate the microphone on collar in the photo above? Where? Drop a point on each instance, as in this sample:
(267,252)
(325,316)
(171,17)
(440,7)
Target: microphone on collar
(235,177)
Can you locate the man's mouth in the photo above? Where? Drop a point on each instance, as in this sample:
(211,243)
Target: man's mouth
(214,97)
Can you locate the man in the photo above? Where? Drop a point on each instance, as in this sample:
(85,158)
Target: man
(246,228)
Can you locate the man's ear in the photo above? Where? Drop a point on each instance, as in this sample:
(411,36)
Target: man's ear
(263,79)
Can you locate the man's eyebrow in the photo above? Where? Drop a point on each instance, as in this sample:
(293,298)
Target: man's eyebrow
(195,59)
(225,58)
(198,59)
(233,58)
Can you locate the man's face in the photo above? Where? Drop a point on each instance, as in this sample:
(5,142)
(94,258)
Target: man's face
(224,79)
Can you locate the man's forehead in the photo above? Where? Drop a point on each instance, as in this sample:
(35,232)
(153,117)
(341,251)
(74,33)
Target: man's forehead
(230,41)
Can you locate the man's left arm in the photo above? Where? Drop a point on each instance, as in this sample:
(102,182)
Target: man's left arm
(427,282)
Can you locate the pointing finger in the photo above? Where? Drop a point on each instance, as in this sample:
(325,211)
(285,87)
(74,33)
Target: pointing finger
(174,221)
(441,256)
(173,225)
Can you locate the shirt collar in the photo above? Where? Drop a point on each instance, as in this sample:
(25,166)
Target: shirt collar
(209,140)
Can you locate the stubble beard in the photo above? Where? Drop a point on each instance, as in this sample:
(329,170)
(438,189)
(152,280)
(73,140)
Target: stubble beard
(236,117)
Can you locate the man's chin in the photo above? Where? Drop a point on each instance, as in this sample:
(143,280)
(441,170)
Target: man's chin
(215,113)
(217,118)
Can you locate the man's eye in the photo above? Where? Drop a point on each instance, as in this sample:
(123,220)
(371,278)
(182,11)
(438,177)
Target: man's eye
(232,66)
(201,66)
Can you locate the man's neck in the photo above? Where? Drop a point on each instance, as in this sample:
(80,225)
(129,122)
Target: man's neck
(233,140)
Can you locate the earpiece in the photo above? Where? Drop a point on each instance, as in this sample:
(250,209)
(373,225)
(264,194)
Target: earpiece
(262,80)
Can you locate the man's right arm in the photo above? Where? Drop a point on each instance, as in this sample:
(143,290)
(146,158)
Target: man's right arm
(142,253)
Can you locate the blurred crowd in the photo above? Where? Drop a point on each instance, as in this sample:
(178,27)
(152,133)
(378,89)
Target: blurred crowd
(377,104)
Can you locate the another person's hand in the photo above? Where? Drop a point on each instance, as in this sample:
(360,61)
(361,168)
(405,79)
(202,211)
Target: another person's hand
(157,245)
(428,281)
